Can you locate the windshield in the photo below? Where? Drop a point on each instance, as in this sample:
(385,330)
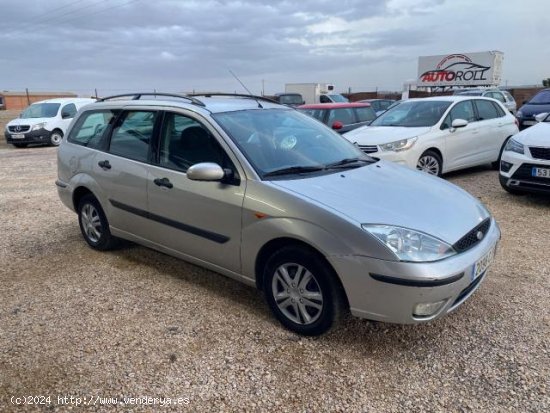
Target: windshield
(541,98)
(277,139)
(291,99)
(338,98)
(413,114)
(41,110)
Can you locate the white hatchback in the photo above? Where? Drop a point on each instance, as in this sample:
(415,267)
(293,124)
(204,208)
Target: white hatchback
(439,134)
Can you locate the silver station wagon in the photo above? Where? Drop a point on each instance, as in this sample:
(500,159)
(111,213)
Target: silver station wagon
(268,196)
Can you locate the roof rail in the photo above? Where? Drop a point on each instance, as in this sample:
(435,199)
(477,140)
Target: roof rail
(137,96)
(240,95)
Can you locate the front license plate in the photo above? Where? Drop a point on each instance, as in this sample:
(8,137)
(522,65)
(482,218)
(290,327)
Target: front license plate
(481,266)
(541,172)
(529,122)
(18,136)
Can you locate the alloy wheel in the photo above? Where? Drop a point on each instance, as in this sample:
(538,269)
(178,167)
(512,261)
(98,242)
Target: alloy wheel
(91,222)
(297,293)
(429,164)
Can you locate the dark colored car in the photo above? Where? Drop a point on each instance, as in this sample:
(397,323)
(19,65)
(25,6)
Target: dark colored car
(289,99)
(540,103)
(379,105)
(342,117)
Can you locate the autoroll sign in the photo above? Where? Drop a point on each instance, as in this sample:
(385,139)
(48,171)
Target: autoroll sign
(460,69)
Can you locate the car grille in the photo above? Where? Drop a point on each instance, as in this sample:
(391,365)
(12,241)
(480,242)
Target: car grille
(524,172)
(470,239)
(22,128)
(368,148)
(540,153)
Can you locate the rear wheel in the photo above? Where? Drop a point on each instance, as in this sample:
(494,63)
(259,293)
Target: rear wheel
(94,225)
(302,291)
(56,137)
(430,162)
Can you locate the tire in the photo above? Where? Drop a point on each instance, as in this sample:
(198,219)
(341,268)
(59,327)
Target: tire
(20,145)
(430,162)
(94,225)
(512,191)
(496,164)
(56,137)
(310,299)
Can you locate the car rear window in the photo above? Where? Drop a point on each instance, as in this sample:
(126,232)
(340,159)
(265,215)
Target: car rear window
(365,114)
(486,110)
(92,127)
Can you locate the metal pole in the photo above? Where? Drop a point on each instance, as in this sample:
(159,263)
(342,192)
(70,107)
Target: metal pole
(28,97)
(95,92)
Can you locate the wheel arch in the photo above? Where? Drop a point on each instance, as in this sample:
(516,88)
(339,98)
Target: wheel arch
(80,192)
(269,248)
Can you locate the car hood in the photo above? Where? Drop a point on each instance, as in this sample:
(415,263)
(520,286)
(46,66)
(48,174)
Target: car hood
(375,135)
(534,109)
(386,193)
(27,121)
(536,135)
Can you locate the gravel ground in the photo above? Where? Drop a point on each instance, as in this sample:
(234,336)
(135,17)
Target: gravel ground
(134,322)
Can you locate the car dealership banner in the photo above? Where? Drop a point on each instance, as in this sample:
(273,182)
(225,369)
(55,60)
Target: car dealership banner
(460,69)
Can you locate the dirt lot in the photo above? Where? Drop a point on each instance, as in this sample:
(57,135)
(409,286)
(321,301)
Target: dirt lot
(137,323)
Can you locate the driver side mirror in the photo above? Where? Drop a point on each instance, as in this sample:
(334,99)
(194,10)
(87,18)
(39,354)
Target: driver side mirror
(65,115)
(337,125)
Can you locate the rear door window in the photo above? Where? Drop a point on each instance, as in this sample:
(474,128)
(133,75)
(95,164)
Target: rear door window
(133,134)
(486,110)
(92,128)
(344,115)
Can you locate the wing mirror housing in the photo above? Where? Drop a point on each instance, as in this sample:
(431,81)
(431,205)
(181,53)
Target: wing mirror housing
(337,125)
(458,123)
(212,172)
(541,116)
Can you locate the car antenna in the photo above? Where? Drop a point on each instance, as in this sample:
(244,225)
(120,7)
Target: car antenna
(245,88)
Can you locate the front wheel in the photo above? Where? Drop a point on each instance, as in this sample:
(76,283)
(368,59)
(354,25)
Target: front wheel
(430,162)
(302,291)
(94,225)
(56,137)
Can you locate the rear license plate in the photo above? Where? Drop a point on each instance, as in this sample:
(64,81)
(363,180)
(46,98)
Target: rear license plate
(481,266)
(18,136)
(529,122)
(541,172)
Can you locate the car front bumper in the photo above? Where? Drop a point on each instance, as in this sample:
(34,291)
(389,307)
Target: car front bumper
(515,172)
(389,291)
(36,136)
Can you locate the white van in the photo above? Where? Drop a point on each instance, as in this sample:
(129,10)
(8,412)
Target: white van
(44,122)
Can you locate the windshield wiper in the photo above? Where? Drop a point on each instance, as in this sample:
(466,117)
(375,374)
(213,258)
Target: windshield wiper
(347,162)
(294,170)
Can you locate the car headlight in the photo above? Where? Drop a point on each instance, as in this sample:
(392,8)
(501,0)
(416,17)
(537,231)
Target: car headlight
(410,245)
(400,145)
(39,126)
(519,114)
(514,146)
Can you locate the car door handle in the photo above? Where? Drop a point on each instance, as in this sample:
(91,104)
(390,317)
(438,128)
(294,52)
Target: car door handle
(163,182)
(104,164)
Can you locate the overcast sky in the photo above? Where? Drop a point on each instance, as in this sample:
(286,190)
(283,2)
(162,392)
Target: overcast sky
(181,45)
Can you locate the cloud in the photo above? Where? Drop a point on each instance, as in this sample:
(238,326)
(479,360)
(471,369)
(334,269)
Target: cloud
(174,45)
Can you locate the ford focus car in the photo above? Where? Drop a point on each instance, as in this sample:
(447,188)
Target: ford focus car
(439,134)
(273,198)
(525,163)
